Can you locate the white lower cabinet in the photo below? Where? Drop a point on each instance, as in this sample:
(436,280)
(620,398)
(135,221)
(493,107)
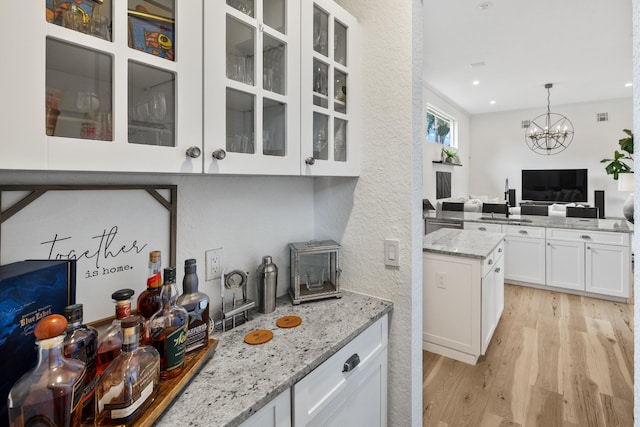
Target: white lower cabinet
(524,259)
(349,388)
(591,261)
(463,299)
(276,413)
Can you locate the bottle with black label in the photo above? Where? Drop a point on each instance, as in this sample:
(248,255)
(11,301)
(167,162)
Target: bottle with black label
(81,343)
(197,305)
(168,328)
(51,393)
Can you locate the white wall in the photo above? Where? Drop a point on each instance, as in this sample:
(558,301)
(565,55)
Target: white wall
(636,238)
(432,150)
(385,202)
(499,150)
(247,216)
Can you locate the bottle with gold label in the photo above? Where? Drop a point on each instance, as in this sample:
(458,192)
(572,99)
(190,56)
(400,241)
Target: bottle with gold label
(131,383)
(51,393)
(149,300)
(197,305)
(168,329)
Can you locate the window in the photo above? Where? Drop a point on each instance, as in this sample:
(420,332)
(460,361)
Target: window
(441,128)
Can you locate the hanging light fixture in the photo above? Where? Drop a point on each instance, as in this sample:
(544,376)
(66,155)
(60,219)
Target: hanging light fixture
(549,133)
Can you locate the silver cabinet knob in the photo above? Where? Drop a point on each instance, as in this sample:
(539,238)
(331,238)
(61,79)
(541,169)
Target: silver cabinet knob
(497,270)
(219,154)
(310,161)
(193,152)
(490,262)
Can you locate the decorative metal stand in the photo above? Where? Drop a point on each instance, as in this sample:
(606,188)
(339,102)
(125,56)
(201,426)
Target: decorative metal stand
(236,312)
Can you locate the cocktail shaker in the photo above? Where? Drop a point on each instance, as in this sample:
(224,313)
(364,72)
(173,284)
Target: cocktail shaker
(267,274)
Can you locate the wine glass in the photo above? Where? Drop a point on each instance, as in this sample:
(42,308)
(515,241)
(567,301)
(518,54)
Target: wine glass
(158,107)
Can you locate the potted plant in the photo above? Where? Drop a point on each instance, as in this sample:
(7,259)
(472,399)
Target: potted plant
(617,167)
(450,155)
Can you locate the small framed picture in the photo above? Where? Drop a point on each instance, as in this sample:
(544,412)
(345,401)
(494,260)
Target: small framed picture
(152,34)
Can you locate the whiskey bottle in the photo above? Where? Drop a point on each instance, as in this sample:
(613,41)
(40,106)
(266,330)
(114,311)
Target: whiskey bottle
(168,328)
(50,394)
(197,306)
(149,300)
(110,343)
(130,384)
(81,343)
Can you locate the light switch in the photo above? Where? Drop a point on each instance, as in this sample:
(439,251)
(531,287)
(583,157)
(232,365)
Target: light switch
(441,280)
(392,252)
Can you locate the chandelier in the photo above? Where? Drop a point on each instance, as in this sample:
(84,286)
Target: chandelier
(549,133)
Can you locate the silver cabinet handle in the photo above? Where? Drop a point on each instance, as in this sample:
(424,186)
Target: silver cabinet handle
(588,247)
(310,161)
(482,229)
(548,244)
(499,250)
(497,270)
(219,154)
(585,237)
(523,232)
(351,363)
(490,262)
(193,152)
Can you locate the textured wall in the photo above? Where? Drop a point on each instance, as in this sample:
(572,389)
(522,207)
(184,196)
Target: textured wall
(636,238)
(385,201)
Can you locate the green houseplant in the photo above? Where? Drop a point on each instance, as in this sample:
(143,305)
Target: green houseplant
(617,165)
(450,155)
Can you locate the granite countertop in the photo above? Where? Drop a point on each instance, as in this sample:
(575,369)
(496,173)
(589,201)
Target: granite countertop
(620,225)
(464,243)
(241,378)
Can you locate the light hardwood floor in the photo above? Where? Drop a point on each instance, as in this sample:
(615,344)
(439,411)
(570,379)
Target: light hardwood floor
(554,360)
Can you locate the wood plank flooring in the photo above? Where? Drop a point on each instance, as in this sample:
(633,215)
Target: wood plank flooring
(554,360)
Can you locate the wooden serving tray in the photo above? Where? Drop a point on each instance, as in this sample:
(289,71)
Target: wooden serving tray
(170,389)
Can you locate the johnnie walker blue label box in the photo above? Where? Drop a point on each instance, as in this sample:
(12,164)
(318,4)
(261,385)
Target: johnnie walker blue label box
(29,291)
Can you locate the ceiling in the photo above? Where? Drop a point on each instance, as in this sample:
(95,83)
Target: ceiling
(514,47)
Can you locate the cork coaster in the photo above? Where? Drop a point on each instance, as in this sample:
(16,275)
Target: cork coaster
(289,321)
(259,336)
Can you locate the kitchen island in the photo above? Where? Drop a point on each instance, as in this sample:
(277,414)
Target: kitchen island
(463,291)
(240,379)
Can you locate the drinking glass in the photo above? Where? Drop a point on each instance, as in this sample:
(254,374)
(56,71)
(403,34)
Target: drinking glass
(158,107)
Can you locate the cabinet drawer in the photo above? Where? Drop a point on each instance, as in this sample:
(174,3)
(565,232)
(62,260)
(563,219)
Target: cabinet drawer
(489,262)
(315,391)
(524,231)
(603,237)
(483,226)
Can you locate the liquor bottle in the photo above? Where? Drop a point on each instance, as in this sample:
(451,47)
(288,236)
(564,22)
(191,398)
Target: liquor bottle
(50,394)
(110,343)
(149,300)
(131,383)
(81,343)
(197,306)
(168,328)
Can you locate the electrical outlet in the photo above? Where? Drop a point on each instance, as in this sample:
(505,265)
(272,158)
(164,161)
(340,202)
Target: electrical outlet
(213,263)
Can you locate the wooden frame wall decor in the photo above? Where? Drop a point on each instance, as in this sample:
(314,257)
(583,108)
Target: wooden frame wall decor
(108,229)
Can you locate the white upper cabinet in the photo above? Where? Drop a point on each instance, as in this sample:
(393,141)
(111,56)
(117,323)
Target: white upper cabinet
(252,87)
(102,86)
(330,90)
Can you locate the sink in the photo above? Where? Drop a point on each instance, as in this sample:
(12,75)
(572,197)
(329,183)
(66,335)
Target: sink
(503,219)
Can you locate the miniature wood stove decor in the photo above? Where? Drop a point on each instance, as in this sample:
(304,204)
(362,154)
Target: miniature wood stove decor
(315,270)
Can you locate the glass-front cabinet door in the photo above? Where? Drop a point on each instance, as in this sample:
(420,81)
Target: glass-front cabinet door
(252,87)
(330,90)
(103,84)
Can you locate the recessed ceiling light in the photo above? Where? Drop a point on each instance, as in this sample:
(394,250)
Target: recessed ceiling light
(492,102)
(475,82)
(628,84)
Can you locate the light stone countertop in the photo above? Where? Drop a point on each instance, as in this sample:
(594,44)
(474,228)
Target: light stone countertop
(241,378)
(463,243)
(620,225)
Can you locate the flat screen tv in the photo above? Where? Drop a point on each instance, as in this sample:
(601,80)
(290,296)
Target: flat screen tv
(555,185)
